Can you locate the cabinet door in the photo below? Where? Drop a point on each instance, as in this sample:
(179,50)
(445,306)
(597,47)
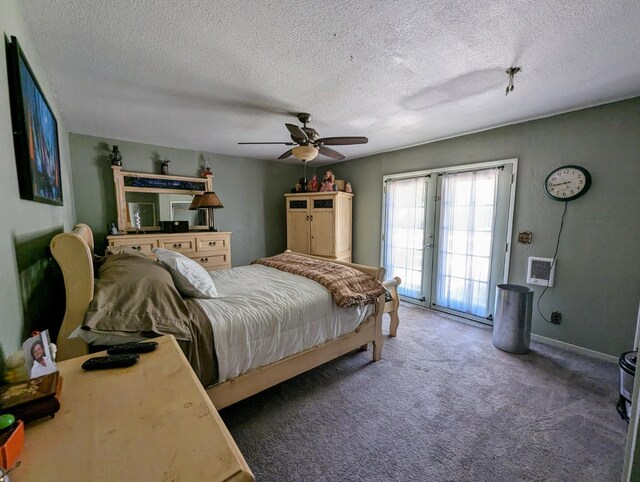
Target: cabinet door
(323,227)
(298,225)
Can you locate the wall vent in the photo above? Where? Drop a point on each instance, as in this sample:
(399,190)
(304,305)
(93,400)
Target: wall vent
(541,271)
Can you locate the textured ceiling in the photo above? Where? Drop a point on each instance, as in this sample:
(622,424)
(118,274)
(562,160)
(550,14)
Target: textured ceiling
(205,74)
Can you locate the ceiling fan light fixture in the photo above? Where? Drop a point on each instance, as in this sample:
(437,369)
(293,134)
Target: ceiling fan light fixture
(305,153)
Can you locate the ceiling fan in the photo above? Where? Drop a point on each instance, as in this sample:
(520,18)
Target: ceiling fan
(309,143)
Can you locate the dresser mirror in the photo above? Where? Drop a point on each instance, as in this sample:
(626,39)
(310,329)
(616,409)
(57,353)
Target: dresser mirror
(150,198)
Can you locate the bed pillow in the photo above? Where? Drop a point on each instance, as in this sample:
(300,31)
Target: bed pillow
(135,294)
(190,277)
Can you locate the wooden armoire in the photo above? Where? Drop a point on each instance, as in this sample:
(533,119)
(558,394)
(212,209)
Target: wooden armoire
(319,223)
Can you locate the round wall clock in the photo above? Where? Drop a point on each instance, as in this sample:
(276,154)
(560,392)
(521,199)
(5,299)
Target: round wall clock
(567,183)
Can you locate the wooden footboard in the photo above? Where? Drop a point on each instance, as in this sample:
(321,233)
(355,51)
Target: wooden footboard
(239,388)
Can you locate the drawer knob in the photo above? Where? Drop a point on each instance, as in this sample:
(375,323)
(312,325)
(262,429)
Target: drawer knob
(136,247)
(212,243)
(177,245)
(204,260)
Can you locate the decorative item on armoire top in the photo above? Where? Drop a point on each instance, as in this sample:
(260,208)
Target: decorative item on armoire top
(164,167)
(340,184)
(35,132)
(312,186)
(115,156)
(113,229)
(327,181)
(347,187)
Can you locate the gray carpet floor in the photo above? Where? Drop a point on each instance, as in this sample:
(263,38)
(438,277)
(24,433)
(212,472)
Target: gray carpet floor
(442,405)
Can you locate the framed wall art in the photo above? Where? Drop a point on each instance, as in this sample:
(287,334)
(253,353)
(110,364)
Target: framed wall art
(35,132)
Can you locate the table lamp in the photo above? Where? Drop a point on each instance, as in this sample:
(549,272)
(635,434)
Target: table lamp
(208,200)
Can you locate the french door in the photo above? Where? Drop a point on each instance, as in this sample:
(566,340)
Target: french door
(446,234)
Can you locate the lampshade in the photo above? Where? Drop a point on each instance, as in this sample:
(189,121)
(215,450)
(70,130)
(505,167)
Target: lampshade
(208,200)
(195,202)
(211,200)
(305,153)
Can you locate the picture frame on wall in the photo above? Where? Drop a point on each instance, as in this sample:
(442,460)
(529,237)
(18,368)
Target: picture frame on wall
(35,132)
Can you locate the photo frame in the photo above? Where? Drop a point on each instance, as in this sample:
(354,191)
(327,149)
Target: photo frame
(35,132)
(37,355)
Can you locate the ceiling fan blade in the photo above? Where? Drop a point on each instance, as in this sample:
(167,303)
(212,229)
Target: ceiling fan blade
(331,153)
(286,154)
(342,141)
(296,132)
(283,143)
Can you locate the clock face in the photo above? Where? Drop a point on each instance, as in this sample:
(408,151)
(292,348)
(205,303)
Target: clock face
(567,183)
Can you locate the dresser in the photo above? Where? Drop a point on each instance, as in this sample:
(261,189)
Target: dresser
(319,223)
(211,249)
(151,421)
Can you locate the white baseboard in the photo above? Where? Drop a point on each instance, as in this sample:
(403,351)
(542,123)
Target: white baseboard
(574,348)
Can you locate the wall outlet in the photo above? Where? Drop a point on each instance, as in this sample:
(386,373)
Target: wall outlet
(556,317)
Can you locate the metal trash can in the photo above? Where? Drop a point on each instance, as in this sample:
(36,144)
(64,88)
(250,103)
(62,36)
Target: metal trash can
(627,364)
(512,322)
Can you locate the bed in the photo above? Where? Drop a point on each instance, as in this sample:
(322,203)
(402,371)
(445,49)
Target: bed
(240,379)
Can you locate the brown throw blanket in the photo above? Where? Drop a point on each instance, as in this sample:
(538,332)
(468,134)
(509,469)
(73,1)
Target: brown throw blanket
(348,286)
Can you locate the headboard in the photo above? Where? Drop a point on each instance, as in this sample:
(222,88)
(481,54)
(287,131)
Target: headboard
(74,253)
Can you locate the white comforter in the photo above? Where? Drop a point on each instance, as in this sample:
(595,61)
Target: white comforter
(263,315)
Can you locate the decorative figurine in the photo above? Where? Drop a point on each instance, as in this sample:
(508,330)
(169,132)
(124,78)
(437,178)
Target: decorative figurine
(347,187)
(113,229)
(206,170)
(164,167)
(115,157)
(312,186)
(327,181)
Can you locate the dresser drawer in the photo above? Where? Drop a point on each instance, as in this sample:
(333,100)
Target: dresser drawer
(212,242)
(181,244)
(145,246)
(213,261)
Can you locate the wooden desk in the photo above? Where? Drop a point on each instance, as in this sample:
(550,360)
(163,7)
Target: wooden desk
(149,422)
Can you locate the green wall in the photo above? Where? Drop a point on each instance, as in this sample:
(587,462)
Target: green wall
(597,285)
(251,191)
(31,283)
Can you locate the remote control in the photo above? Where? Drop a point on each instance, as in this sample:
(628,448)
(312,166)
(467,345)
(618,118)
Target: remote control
(111,361)
(133,347)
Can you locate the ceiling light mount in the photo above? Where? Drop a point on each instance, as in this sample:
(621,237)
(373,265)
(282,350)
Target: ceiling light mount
(511,72)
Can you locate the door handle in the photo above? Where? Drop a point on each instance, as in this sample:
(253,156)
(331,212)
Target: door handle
(428,245)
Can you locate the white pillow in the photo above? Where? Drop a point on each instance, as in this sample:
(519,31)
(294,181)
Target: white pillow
(190,278)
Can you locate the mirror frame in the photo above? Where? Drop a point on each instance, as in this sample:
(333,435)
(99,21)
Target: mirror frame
(121,180)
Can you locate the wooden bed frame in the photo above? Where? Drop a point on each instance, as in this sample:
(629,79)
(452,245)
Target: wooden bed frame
(392,306)
(74,253)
